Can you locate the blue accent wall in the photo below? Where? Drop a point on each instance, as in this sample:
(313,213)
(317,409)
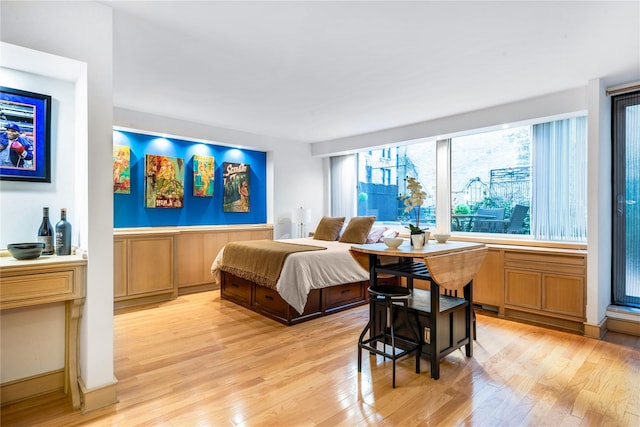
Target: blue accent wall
(129,209)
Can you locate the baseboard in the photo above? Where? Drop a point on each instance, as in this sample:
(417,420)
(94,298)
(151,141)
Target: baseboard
(145,300)
(548,321)
(98,397)
(624,326)
(185,290)
(596,331)
(37,385)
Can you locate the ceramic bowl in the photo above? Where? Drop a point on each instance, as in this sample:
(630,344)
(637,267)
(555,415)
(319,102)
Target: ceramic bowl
(441,238)
(393,242)
(25,250)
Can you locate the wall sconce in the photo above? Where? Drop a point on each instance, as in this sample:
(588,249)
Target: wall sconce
(301,216)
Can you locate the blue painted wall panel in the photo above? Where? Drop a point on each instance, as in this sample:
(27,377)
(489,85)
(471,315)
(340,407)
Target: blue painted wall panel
(129,210)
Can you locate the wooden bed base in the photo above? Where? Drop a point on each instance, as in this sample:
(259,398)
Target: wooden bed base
(267,302)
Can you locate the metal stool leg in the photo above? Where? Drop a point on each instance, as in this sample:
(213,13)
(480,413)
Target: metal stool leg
(366,329)
(385,332)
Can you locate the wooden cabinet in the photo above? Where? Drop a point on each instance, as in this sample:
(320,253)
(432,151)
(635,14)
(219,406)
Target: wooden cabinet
(523,288)
(269,303)
(157,264)
(43,281)
(543,285)
(143,268)
(488,283)
(196,249)
(150,265)
(119,267)
(192,252)
(546,288)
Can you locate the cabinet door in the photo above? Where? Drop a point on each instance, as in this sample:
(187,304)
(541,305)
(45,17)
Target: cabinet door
(522,288)
(189,258)
(119,268)
(150,262)
(212,244)
(195,253)
(488,283)
(563,295)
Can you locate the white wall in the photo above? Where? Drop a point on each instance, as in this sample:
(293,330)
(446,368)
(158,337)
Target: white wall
(81,31)
(599,207)
(23,201)
(33,338)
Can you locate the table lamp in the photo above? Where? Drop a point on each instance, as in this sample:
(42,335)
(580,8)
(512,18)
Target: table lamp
(301,216)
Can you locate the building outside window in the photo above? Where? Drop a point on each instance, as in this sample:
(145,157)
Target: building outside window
(379,195)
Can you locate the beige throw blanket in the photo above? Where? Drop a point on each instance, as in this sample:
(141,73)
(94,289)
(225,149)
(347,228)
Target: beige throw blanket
(260,261)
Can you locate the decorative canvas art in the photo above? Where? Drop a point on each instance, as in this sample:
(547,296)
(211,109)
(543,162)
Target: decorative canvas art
(164,186)
(25,141)
(236,187)
(121,169)
(203,175)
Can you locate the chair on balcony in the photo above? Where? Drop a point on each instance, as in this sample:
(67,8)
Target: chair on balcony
(496,224)
(516,220)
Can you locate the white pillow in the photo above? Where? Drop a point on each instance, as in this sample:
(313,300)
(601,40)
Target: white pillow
(375,235)
(390,232)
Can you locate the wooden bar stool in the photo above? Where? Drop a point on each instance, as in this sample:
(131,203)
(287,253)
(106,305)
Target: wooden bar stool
(390,296)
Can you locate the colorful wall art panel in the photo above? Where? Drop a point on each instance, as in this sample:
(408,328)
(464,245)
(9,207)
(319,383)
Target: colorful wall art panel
(121,169)
(130,210)
(203,175)
(236,187)
(164,182)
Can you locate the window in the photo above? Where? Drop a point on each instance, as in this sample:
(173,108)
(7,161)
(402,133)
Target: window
(527,180)
(378,192)
(626,207)
(490,176)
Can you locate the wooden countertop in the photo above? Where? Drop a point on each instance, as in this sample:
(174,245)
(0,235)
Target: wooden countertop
(9,264)
(406,250)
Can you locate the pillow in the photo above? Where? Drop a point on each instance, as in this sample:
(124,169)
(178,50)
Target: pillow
(375,234)
(328,228)
(358,229)
(389,233)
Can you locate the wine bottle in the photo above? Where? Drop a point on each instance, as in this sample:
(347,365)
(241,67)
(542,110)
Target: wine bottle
(63,235)
(45,233)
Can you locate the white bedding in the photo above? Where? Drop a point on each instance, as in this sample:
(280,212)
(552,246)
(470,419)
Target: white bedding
(304,271)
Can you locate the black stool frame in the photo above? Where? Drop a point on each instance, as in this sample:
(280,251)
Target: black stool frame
(391,297)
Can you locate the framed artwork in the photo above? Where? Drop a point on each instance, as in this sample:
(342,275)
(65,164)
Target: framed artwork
(164,182)
(236,187)
(121,169)
(203,175)
(25,135)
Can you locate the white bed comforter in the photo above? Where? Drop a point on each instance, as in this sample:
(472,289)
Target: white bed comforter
(304,271)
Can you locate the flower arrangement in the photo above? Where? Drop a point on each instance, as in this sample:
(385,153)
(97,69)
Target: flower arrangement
(413,199)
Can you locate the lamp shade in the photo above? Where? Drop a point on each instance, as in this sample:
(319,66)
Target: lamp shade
(301,215)
(297,215)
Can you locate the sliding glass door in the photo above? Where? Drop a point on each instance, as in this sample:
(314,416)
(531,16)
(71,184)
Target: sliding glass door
(626,191)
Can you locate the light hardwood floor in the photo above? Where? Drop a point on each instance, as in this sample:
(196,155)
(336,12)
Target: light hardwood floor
(201,361)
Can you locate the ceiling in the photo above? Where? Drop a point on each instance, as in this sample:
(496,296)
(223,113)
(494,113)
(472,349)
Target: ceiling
(317,71)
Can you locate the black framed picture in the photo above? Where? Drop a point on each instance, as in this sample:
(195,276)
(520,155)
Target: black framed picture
(25,135)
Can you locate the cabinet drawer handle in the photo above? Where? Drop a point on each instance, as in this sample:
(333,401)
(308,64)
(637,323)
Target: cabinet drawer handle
(234,285)
(268,297)
(346,291)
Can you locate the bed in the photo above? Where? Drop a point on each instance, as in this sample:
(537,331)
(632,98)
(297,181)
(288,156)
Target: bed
(311,283)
